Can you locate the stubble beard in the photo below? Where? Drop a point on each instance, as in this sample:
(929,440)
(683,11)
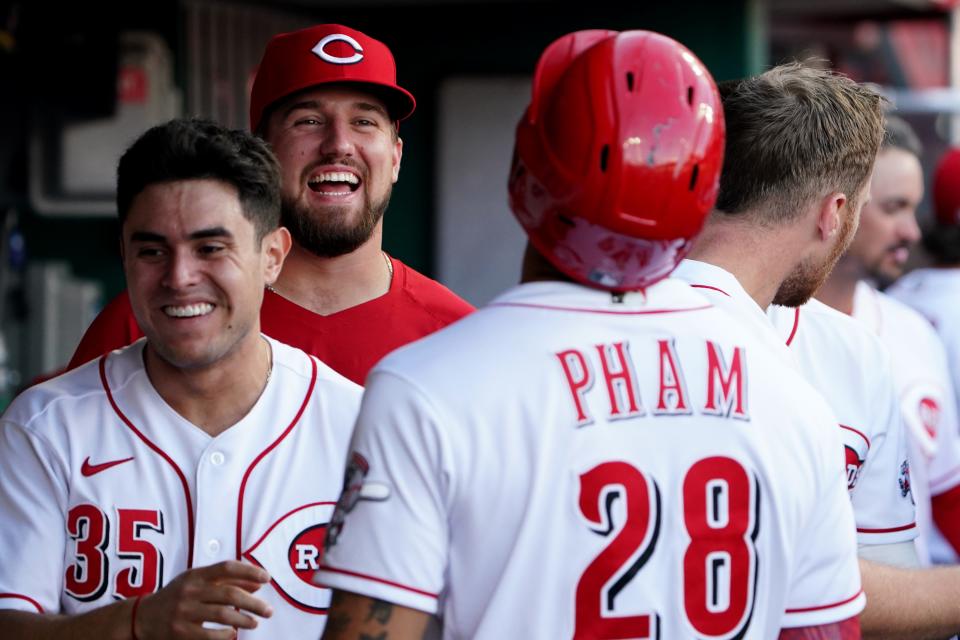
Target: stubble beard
(327,232)
(797,289)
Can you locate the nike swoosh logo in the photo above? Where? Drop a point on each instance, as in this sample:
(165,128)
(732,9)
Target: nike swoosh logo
(88,469)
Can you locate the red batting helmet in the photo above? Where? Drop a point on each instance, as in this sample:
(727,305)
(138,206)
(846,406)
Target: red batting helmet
(617,158)
(946,188)
(324,54)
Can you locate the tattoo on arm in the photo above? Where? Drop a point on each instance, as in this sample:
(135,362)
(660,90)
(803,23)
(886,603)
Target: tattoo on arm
(380,611)
(338,621)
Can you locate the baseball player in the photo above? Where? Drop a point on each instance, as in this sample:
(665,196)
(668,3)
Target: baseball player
(615,458)
(179,487)
(933,292)
(326,99)
(777,232)
(774,238)
(888,229)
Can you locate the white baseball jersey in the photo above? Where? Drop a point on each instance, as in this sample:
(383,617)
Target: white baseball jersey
(926,396)
(559,464)
(107,493)
(830,356)
(849,366)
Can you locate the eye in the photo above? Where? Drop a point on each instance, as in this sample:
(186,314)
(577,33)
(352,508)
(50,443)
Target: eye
(210,249)
(149,252)
(308,121)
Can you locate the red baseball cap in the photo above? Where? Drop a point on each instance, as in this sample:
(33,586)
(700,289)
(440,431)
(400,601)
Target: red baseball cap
(946,188)
(324,54)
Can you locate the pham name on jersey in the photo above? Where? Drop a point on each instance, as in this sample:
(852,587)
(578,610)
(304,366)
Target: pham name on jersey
(725,386)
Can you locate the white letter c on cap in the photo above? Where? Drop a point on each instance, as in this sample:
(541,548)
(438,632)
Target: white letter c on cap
(338,37)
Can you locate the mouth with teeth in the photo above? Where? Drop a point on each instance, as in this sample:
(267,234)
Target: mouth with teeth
(334,183)
(189,310)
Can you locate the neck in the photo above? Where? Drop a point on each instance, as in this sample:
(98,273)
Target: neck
(839,289)
(536,268)
(217,396)
(328,285)
(760,258)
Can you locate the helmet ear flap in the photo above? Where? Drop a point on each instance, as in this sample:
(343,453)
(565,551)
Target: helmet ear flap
(617,158)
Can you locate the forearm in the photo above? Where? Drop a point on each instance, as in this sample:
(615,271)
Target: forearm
(106,623)
(354,617)
(912,604)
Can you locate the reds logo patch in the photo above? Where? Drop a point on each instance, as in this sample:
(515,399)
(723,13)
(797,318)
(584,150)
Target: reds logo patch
(354,489)
(854,466)
(291,551)
(929,411)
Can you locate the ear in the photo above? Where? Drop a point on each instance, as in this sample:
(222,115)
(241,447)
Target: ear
(828,215)
(397,155)
(274,247)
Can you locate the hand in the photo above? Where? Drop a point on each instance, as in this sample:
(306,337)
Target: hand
(219,593)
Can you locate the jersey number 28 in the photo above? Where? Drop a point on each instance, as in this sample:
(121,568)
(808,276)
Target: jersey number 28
(720,514)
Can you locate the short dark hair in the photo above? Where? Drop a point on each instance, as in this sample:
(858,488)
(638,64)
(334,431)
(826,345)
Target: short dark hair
(794,133)
(196,149)
(898,134)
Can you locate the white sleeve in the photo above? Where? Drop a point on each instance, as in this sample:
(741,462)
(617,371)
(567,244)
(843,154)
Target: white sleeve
(389,537)
(930,410)
(825,586)
(32,525)
(882,500)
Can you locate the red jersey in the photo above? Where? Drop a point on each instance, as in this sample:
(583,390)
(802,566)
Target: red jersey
(349,341)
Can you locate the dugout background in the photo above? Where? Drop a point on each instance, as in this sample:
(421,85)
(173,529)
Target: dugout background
(467,63)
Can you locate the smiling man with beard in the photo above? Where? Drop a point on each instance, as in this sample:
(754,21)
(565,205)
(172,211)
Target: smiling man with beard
(326,100)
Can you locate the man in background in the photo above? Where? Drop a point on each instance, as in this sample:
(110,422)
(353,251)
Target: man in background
(326,100)
(888,230)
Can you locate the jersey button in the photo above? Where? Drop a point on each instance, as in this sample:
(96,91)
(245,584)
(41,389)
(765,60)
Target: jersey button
(217,458)
(213,547)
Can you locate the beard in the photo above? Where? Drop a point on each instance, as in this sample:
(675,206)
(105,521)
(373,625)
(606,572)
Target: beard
(885,274)
(327,232)
(803,282)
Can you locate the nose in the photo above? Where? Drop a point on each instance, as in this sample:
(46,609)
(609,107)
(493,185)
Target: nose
(909,229)
(182,271)
(337,140)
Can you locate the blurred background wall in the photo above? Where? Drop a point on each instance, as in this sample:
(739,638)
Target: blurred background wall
(79,82)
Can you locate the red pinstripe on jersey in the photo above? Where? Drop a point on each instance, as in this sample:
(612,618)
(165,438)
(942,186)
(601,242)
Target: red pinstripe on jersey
(22,597)
(888,530)
(380,580)
(644,312)
(711,288)
(796,325)
(159,451)
(827,606)
(273,445)
(858,432)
